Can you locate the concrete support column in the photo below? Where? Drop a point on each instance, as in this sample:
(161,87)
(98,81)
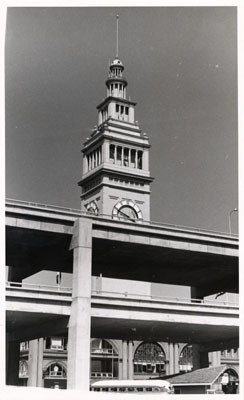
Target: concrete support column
(176,358)
(200,359)
(214,358)
(105,152)
(171,358)
(124,359)
(130,361)
(12,363)
(40,362)
(33,363)
(80,319)
(195,357)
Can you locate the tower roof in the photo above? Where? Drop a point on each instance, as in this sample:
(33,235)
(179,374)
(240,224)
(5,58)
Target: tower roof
(116,62)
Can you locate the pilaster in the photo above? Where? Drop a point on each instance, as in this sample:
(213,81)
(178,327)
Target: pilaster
(130,360)
(124,359)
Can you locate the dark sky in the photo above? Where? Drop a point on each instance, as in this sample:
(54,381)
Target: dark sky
(181,66)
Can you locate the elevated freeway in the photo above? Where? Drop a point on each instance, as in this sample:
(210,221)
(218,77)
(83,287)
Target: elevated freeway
(39,236)
(34,311)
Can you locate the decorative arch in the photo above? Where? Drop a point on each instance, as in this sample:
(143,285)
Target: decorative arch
(103,346)
(149,359)
(23,369)
(186,358)
(104,359)
(92,207)
(55,369)
(229,380)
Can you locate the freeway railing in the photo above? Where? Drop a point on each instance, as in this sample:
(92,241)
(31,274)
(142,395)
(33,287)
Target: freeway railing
(78,213)
(122,295)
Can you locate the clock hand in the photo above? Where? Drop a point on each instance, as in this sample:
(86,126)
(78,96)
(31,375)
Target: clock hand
(127,216)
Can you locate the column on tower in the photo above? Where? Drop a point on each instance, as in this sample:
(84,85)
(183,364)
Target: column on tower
(111,110)
(85,165)
(99,156)
(100,118)
(145,160)
(131,114)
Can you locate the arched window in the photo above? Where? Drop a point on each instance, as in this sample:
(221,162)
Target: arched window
(229,381)
(104,360)
(186,359)
(23,369)
(149,359)
(55,370)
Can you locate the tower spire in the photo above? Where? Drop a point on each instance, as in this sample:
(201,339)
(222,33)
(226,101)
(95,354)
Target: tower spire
(117,36)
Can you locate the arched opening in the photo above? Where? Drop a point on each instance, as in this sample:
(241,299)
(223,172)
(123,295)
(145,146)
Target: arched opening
(149,360)
(230,381)
(55,376)
(186,359)
(104,360)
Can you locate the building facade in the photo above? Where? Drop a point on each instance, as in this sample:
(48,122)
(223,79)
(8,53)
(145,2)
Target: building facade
(43,362)
(115,183)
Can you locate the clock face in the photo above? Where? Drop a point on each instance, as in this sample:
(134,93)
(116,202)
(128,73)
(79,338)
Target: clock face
(127,210)
(127,213)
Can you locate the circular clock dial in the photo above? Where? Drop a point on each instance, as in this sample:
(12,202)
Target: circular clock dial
(127,213)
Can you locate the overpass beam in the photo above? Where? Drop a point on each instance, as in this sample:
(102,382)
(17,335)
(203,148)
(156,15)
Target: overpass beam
(79,328)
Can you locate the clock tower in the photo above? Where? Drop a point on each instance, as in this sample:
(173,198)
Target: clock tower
(116,177)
